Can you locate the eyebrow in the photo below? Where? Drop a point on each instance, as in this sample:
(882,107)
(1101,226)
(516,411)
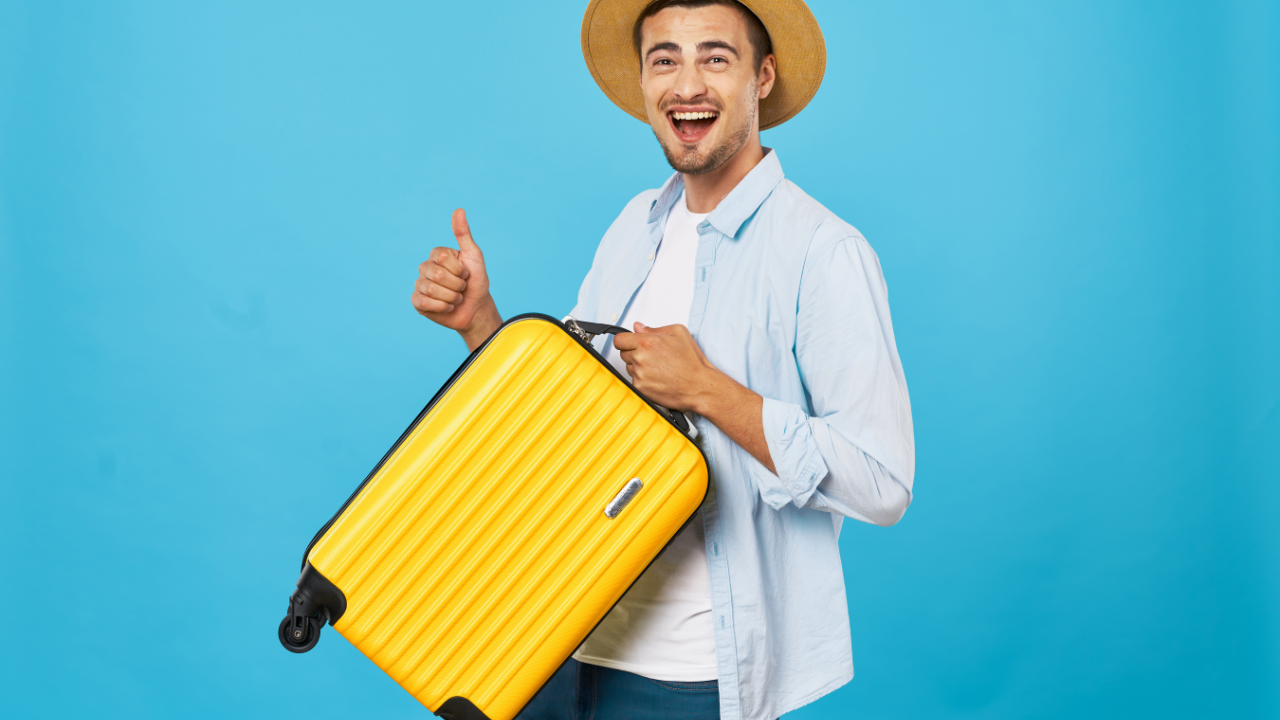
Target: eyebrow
(703,46)
(716,45)
(662,46)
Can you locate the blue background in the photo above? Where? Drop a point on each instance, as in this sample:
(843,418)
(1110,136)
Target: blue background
(211,217)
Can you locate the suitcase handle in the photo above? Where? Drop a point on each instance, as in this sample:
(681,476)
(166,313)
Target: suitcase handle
(587,331)
(591,329)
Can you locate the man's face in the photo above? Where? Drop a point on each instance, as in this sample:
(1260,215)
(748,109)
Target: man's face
(700,85)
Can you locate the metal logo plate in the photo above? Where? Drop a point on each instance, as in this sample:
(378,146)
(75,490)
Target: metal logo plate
(623,498)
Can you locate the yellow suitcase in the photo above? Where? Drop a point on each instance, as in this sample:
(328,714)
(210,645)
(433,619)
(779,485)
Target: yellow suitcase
(516,510)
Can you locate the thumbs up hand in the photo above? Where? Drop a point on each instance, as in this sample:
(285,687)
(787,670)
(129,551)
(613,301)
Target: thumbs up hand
(453,288)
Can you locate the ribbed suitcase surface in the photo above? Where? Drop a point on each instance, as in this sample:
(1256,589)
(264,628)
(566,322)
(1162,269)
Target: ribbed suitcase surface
(479,556)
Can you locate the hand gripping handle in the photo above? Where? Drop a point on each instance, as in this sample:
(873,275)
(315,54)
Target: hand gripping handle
(587,331)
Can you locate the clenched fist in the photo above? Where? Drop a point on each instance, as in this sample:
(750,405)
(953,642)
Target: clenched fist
(667,366)
(453,288)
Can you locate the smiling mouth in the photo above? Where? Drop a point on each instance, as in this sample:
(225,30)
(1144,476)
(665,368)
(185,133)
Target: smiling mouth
(692,126)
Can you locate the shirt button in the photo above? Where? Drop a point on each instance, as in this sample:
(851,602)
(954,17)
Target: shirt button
(615,317)
(650,257)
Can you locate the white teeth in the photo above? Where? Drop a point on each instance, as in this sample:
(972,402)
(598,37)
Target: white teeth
(693,115)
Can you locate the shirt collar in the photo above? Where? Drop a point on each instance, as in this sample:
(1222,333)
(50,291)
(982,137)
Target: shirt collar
(741,202)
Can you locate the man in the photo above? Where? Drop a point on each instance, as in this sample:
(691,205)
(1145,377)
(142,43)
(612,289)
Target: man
(764,316)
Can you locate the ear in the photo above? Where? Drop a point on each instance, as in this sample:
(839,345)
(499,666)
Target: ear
(768,75)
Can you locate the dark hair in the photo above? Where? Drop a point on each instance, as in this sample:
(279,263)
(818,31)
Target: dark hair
(761,44)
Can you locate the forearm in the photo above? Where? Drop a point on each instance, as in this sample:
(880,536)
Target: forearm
(736,411)
(486,322)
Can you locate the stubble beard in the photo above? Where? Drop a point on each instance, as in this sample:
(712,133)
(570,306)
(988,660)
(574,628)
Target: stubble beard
(690,162)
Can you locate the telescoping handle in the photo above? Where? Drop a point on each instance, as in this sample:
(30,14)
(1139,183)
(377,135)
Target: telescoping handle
(587,331)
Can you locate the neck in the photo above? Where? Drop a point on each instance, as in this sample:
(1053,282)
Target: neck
(704,192)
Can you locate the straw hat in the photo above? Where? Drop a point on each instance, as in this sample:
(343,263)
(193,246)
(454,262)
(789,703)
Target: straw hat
(611,56)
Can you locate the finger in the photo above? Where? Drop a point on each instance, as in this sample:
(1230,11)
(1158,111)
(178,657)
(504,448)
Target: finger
(425,305)
(625,341)
(424,285)
(462,231)
(441,276)
(440,292)
(448,259)
(664,330)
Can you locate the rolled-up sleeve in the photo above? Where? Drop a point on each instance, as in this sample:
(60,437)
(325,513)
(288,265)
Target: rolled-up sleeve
(852,452)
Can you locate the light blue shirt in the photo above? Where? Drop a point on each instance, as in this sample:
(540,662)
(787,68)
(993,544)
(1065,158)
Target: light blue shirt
(789,300)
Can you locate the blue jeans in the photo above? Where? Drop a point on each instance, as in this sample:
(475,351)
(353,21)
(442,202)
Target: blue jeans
(579,691)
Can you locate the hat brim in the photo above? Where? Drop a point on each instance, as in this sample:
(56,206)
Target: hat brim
(801,52)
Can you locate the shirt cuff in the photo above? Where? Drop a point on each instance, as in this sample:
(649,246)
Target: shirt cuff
(794,453)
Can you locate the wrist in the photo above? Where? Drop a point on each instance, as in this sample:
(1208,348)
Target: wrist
(484,323)
(712,390)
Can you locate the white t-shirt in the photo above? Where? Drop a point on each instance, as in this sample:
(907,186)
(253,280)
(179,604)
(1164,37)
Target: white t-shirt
(662,627)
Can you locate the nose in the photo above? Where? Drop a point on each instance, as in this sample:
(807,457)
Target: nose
(690,84)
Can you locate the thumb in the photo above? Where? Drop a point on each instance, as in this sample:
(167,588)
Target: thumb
(462,231)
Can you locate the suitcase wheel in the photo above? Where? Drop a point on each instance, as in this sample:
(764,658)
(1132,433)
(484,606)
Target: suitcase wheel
(301,636)
(315,602)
